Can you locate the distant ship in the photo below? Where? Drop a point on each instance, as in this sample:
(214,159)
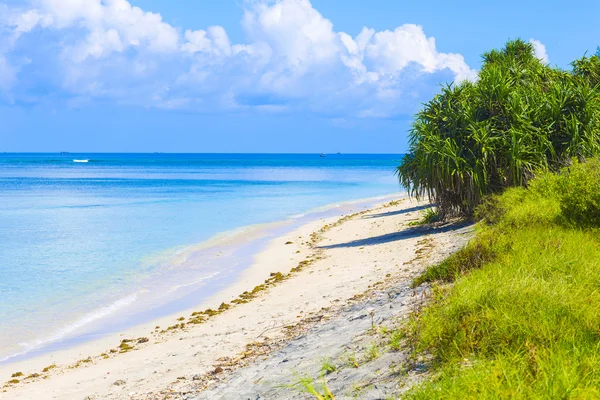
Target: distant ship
(323,155)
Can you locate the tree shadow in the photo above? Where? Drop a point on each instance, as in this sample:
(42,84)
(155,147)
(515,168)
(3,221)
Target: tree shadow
(399,212)
(402,235)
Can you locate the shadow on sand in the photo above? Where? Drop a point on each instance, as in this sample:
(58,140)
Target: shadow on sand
(407,233)
(399,212)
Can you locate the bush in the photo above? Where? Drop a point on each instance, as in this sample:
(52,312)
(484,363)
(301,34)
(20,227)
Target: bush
(520,117)
(580,194)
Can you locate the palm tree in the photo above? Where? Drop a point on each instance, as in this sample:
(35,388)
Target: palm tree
(519,117)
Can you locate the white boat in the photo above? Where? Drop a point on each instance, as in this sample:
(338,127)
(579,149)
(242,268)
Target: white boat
(81,160)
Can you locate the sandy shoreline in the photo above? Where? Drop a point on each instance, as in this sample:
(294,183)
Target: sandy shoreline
(332,260)
(230,253)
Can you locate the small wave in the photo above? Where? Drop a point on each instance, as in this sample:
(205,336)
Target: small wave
(177,287)
(81,161)
(63,332)
(176,256)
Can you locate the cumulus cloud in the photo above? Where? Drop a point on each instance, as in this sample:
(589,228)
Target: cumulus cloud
(540,50)
(112,25)
(293,59)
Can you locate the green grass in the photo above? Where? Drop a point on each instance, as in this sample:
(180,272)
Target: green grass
(327,367)
(427,217)
(522,317)
(316,390)
(373,352)
(396,338)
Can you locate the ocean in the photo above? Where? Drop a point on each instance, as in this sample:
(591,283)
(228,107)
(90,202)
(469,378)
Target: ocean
(94,243)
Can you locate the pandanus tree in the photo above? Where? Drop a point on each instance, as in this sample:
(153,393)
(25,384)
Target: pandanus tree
(519,117)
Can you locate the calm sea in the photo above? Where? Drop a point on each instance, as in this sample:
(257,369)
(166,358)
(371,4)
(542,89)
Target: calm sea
(92,247)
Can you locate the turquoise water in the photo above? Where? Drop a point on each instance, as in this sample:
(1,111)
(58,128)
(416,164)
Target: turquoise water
(89,247)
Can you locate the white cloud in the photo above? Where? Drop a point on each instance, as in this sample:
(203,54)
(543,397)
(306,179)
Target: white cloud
(197,41)
(297,33)
(113,26)
(26,21)
(98,44)
(8,74)
(540,50)
(213,41)
(294,59)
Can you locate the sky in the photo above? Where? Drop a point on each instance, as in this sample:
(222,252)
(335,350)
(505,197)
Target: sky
(292,76)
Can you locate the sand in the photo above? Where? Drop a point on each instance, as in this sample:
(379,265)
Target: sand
(338,264)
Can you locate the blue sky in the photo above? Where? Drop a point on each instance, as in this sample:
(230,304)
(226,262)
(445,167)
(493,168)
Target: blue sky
(251,75)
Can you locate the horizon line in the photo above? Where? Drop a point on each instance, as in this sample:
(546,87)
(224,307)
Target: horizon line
(191,153)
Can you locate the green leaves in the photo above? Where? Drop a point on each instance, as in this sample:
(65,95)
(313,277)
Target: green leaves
(521,116)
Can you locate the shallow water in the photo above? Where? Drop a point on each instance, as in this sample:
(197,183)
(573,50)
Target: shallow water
(91,247)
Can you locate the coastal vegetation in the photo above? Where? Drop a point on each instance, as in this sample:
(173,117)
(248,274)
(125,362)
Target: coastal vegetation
(521,317)
(515,313)
(519,117)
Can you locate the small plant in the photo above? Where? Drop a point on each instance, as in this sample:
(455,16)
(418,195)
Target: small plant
(352,360)
(328,367)
(372,352)
(427,217)
(357,389)
(318,391)
(16,375)
(396,339)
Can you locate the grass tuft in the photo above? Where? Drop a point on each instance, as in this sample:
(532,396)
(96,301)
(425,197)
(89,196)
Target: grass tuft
(428,216)
(328,367)
(318,391)
(373,352)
